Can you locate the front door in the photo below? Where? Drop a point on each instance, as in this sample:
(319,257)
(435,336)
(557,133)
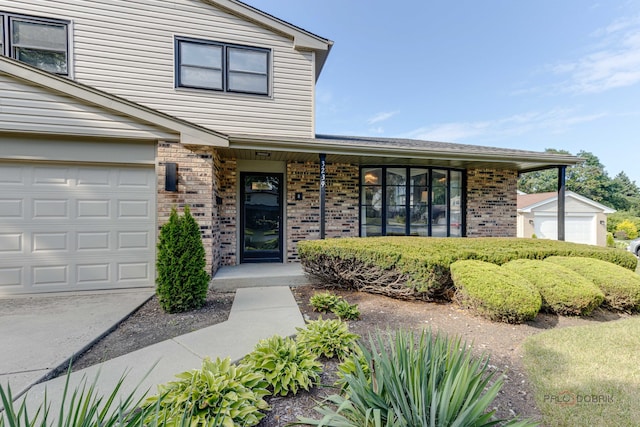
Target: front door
(261,217)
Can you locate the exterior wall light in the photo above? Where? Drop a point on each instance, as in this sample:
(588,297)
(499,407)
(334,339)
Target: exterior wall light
(171,177)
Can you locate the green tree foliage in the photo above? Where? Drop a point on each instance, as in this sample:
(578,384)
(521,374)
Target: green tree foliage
(182,281)
(629,228)
(589,179)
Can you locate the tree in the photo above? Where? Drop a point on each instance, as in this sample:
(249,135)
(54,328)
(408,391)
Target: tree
(182,281)
(588,179)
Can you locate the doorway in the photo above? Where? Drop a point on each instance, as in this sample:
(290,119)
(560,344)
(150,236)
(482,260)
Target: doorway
(261,217)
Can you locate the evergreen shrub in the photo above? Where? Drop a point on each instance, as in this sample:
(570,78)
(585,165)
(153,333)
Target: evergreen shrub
(494,292)
(563,290)
(182,281)
(418,268)
(621,287)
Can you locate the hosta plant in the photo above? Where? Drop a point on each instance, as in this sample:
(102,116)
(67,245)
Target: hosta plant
(429,381)
(218,394)
(346,311)
(328,338)
(324,302)
(286,365)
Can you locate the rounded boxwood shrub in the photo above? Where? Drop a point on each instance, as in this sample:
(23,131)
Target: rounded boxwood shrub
(563,290)
(621,287)
(182,281)
(493,292)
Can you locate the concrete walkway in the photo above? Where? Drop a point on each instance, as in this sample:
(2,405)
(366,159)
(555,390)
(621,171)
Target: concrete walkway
(40,333)
(257,313)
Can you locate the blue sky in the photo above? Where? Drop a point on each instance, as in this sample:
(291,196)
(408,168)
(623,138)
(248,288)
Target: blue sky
(527,74)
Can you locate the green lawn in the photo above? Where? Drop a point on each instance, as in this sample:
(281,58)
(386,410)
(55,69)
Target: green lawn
(587,375)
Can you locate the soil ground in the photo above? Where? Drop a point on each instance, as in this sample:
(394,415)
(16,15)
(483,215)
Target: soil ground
(502,342)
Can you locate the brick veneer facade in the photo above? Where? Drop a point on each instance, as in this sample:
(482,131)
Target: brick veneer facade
(341,203)
(195,188)
(208,183)
(491,203)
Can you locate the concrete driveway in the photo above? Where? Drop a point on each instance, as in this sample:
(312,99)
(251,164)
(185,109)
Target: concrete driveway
(40,333)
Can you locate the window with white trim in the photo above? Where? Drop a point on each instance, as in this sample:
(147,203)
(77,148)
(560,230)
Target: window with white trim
(203,64)
(40,42)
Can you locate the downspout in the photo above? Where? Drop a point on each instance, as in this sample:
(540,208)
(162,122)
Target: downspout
(323,193)
(562,171)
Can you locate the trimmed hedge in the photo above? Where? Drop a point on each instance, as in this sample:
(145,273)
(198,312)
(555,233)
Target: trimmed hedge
(494,292)
(621,287)
(418,267)
(563,290)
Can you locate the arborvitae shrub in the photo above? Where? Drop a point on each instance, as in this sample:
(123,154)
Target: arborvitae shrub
(182,281)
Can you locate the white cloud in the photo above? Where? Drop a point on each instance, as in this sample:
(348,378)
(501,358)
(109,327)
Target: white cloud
(613,62)
(381,117)
(557,120)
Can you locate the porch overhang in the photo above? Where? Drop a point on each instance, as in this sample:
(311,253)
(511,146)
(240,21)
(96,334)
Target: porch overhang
(391,151)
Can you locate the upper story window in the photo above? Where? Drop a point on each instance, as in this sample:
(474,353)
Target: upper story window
(218,66)
(41,42)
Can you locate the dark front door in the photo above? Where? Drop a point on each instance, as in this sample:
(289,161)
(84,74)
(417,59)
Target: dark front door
(261,217)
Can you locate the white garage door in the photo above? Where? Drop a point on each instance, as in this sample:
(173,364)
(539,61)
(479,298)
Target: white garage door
(70,227)
(578,229)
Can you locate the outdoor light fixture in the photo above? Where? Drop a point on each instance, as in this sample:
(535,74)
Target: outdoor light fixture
(171,177)
(601,222)
(263,154)
(531,221)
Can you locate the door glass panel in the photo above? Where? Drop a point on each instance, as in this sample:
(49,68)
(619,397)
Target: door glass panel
(262,218)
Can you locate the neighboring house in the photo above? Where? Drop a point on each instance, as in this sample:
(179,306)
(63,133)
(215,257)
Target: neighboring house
(585,219)
(145,105)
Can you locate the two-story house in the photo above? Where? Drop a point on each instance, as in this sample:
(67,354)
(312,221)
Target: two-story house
(114,111)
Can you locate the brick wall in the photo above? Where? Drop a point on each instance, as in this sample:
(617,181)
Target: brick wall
(341,205)
(195,187)
(227,178)
(491,203)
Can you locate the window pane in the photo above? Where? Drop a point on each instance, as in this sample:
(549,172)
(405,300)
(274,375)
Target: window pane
(201,77)
(396,176)
(456,179)
(396,220)
(1,35)
(40,35)
(419,221)
(241,82)
(455,227)
(248,61)
(418,177)
(372,196)
(371,222)
(203,55)
(372,176)
(54,62)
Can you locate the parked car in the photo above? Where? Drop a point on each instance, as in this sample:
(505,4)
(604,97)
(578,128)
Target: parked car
(634,246)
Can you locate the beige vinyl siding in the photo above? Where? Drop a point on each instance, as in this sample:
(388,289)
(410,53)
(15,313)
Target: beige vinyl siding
(126,47)
(27,108)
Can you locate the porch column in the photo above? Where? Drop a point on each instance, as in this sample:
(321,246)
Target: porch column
(562,170)
(323,195)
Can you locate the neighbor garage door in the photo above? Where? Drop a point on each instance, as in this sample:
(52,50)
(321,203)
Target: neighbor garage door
(70,227)
(578,229)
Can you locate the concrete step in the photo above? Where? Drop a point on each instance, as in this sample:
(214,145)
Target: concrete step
(229,278)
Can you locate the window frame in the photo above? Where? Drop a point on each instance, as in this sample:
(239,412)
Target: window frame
(226,47)
(407,205)
(7,44)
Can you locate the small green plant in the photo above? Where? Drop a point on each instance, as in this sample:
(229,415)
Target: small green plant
(219,394)
(82,406)
(432,381)
(346,311)
(494,292)
(329,338)
(324,302)
(182,281)
(611,242)
(286,365)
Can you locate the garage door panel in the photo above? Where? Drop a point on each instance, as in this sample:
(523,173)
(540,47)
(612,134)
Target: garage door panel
(65,227)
